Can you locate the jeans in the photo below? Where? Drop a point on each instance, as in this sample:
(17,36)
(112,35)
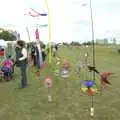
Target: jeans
(23,69)
(39,60)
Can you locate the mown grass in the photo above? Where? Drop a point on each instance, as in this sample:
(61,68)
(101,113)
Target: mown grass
(68,103)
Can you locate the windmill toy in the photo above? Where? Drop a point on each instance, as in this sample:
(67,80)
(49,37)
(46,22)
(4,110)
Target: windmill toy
(48,84)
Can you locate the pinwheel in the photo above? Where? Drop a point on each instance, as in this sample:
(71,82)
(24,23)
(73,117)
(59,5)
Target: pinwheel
(104,78)
(89,87)
(79,66)
(48,84)
(65,66)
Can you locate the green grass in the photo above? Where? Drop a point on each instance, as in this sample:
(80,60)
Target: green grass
(68,103)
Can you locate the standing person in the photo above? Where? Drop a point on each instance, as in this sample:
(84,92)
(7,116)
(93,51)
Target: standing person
(33,55)
(21,61)
(44,52)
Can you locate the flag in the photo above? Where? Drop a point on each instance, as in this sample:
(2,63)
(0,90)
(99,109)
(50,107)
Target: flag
(37,34)
(44,25)
(34,13)
(43,14)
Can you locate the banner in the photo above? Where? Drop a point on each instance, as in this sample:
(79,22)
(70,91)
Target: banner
(37,34)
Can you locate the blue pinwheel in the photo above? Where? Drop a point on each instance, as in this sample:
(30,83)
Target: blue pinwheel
(89,87)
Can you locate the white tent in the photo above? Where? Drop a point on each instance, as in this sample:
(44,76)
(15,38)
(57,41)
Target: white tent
(3,43)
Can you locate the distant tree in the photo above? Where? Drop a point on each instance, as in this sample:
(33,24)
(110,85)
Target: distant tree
(114,40)
(73,43)
(7,35)
(105,41)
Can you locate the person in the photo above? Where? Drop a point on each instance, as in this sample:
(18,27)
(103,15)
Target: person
(7,68)
(43,52)
(22,61)
(33,55)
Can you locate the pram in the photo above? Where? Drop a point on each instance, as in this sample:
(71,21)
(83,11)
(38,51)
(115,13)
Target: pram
(7,69)
(7,73)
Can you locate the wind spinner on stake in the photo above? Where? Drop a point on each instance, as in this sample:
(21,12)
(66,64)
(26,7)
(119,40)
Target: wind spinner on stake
(104,76)
(65,69)
(89,87)
(78,69)
(81,65)
(48,84)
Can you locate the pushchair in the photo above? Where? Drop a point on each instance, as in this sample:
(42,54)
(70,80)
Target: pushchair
(7,73)
(7,69)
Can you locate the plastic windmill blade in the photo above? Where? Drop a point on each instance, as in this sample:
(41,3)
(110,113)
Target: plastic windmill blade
(104,77)
(93,69)
(89,87)
(88,83)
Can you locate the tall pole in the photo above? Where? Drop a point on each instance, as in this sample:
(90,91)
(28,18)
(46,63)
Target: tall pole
(49,28)
(93,51)
(28,33)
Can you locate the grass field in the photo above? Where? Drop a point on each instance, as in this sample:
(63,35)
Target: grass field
(68,103)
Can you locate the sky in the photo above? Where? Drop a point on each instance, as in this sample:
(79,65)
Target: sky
(69,19)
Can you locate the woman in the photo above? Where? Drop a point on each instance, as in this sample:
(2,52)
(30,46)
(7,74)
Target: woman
(22,61)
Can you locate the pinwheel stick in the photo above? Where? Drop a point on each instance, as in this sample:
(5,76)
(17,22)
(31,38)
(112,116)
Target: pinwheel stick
(48,85)
(49,96)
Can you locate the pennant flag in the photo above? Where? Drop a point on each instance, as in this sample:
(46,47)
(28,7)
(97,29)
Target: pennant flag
(45,25)
(37,34)
(37,13)
(34,13)
(43,14)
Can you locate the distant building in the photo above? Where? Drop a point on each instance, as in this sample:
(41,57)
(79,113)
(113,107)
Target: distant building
(102,41)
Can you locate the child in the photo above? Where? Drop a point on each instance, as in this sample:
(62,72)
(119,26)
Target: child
(7,68)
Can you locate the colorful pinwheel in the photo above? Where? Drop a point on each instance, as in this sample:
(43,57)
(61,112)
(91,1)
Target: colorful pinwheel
(65,66)
(89,87)
(48,82)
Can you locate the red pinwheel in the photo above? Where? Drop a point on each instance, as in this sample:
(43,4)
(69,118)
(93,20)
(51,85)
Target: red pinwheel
(65,66)
(48,82)
(104,78)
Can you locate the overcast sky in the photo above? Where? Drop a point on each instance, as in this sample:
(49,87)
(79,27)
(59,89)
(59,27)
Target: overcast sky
(70,19)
